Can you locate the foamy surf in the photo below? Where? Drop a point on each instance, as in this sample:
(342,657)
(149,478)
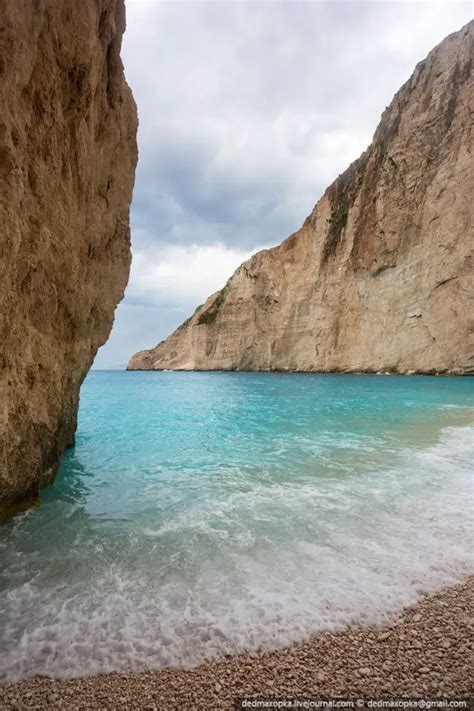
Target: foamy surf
(232,558)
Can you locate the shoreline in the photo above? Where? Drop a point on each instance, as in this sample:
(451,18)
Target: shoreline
(447,373)
(424,652)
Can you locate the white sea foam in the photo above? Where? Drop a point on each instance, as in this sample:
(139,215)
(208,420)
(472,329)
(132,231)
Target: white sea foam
(273,564)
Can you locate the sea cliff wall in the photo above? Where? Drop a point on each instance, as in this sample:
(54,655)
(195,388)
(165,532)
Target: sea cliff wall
(67,162)
(379,277)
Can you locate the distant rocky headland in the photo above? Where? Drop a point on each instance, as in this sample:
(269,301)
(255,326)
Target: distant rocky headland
(67,162)
(379,277)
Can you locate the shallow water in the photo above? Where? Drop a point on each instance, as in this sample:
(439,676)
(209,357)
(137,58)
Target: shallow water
(210,513)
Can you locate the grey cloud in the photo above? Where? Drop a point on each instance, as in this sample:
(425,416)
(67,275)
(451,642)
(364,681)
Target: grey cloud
(215,81)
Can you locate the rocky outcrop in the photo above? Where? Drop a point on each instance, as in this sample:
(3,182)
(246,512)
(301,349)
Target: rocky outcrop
(67,162)
(379,277)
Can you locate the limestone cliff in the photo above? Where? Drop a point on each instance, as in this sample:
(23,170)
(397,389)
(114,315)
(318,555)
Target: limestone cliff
(379,277)
(67,162)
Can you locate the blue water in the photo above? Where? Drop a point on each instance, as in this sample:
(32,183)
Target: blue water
(209,513)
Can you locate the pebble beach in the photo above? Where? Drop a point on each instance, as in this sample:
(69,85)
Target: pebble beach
(424,653)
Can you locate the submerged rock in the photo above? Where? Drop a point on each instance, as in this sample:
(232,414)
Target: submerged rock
(378,278)
(67,162)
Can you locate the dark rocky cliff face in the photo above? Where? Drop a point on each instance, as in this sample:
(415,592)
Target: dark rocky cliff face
(379,277)
(67,162)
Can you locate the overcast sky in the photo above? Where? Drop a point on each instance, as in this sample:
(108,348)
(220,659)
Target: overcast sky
(248,110)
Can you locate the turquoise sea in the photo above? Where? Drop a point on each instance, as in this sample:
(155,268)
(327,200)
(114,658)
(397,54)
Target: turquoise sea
(203,514)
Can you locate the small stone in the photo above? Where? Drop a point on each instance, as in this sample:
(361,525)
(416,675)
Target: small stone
(383,636)
(425,670)
(365,671)
(218,687)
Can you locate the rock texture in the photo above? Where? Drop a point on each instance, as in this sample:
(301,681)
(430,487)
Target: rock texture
(67,162)
(379,277)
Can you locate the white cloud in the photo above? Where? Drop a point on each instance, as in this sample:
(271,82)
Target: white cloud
(182,276)
(167,283)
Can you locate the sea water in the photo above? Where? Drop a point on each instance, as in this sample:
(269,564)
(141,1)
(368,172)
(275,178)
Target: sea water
(203,514)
